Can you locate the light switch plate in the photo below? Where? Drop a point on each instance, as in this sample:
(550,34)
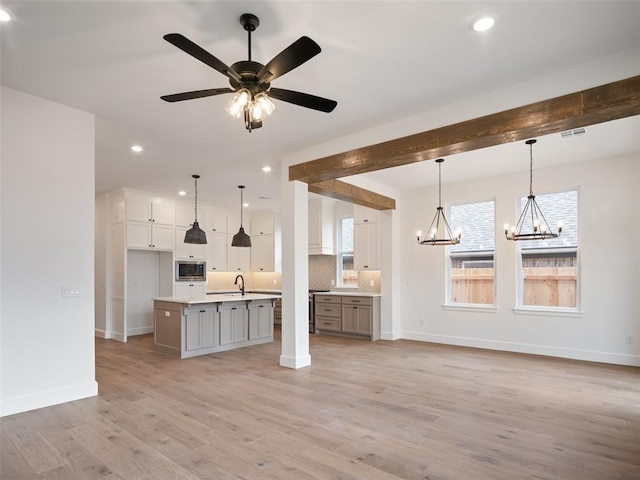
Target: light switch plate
(70,291)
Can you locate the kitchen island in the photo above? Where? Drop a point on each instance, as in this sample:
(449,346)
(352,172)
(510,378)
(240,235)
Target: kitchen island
(188,327)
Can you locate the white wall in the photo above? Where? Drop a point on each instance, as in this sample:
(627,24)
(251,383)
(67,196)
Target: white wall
(47,221)
(609,237)
(100,263)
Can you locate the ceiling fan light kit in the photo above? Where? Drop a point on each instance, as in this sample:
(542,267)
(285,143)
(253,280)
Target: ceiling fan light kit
(539,228)
(251,81)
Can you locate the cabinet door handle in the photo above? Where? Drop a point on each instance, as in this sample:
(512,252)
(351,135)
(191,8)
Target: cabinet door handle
(327,323)
(327,309)
(233,308)
(355,301)
(260,306)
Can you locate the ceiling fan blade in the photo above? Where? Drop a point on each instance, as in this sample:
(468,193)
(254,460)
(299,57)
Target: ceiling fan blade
(178,97)
(291,57)
(187,46)
(303,99)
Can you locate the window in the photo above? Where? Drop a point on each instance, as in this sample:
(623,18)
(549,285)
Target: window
(471,262)
(549,268)
(347,276)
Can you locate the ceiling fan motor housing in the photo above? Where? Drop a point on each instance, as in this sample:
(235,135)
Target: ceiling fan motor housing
(248,71)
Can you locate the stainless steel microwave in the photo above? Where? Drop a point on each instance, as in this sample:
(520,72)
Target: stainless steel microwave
(191,271)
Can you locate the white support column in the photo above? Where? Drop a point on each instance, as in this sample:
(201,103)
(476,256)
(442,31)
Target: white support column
(390,280)
(295,274)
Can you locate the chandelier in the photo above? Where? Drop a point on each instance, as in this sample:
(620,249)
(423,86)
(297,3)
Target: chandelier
(531,215)
(439,231)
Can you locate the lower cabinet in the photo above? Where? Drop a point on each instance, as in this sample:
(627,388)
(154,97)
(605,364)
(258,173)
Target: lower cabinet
(201,328)
(356,319)
(233,323)
(277,313)
(184,329)
(354,316)
(260,320)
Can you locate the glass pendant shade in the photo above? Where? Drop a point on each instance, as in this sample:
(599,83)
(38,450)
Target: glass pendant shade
(195,234)
(241,239)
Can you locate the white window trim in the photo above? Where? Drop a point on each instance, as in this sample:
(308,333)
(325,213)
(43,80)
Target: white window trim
(522,309)
(471,307)
(448,304)
(339,274)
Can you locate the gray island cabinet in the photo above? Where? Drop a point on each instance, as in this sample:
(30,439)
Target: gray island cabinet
(189,327)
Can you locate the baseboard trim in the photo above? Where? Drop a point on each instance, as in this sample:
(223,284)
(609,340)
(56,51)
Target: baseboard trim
(390,336)
(101,333)
(25,403)
(131,332)
(295,362)
(570,353)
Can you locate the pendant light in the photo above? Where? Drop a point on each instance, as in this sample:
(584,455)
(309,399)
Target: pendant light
(531,214)
(241,239)
(439,231)
(195,234)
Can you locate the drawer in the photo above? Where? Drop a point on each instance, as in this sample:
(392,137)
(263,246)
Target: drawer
(327,298)
(326,323)
(357,300)
(327,310)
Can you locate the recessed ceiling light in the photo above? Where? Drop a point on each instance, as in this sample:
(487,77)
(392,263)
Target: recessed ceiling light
(483,23)
(266,168)
(245,205)
(5,16)
(136,148)
(182,193)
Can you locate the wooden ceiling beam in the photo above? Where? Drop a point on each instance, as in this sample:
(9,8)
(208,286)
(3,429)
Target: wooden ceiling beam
(588,107)
(350,193)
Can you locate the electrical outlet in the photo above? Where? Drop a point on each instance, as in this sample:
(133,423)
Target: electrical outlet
(274,281)
(630,339)
(371,283)
(421,322)
(333,282)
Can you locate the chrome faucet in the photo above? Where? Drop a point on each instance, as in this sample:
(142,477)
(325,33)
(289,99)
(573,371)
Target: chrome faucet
(241,283)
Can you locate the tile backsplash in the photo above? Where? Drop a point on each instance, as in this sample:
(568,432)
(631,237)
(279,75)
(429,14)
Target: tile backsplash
(322,275)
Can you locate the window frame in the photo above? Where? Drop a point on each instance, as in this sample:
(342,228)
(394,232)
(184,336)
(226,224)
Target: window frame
(520,307)
(339,257)
(448,303)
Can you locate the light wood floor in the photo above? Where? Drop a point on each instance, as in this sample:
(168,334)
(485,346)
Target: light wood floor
(383,410)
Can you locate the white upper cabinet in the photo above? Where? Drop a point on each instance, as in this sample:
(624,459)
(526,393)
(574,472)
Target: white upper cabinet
(150,222)
(216,220)
(189,251)
(321,226)
(265,242)
(366,251)
(238,258)
(364,215)
(216,252)
(262,223)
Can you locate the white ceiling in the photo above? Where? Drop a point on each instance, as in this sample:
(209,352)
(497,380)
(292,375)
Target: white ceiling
(381,60)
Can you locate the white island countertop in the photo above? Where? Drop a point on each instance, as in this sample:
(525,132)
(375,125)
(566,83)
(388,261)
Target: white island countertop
(219,298)
(350,294)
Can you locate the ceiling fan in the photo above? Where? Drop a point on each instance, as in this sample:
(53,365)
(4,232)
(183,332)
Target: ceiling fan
(251,81)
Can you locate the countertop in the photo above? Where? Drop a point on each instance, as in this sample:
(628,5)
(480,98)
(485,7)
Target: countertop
(219,298)
(248,290)
(351,294)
